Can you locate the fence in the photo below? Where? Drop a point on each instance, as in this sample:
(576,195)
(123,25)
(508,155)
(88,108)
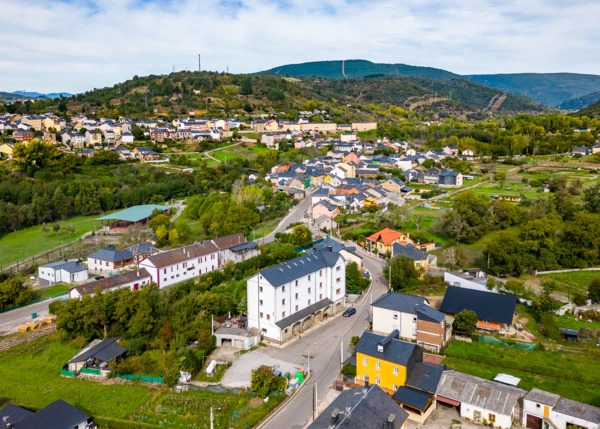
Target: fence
(78,249)
(35,301)
(494,340)
(146,378)
(67,373)
(91,371)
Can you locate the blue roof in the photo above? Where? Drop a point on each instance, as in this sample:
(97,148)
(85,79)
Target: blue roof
(491,306)
(299,267)
(57,415)
(400,352)
(412,397)
(110,254)
(142,248)
(408,250)
(245,246)
(401,302)
(68,266)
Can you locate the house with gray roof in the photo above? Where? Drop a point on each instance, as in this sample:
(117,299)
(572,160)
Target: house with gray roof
(289,298)
(63,271)
(414,319)
(363,407)
(97,355)
(57,415)
(481,400)
(544,409)
(133,280)
(110,260)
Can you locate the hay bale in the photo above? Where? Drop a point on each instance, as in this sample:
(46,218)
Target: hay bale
(23,328)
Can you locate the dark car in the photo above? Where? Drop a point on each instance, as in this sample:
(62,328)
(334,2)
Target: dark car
(99,277)
(349,312)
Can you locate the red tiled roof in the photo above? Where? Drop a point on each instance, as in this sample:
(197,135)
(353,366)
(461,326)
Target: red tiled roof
(387,236)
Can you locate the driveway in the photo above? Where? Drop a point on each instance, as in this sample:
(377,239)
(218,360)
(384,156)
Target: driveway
(239,375)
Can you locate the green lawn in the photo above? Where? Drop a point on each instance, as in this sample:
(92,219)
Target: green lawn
(579,279)
(573,375)
(57,289)
(30,378)
(24,243)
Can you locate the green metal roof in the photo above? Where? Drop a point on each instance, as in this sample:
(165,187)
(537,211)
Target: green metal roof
(135,213)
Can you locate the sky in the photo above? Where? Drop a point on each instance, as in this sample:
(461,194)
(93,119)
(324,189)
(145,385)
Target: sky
(78,45)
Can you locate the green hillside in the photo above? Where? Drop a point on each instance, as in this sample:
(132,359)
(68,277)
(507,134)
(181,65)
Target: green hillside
(591,111)
(354,69)
(580,102)
(549,89)
(10,97)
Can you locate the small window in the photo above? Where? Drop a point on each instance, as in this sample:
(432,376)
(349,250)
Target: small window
(309,277)
(377,365)
(339,279)
(283,301)
(282,314)
(491,418)
(268,317)
(320,296)
(537,405)
(418,264)
(261,315)
(365,377)
(365,361)
(285,330)
(309,289)
(296,295)
(296,309)
(296,282)
(377,380)
(260,302)
(415,319)
(338,291)
(283,288)
(395,316)
(321,273)
(395,370)
(321,285)
(260,288)
(338,268)
(309,302)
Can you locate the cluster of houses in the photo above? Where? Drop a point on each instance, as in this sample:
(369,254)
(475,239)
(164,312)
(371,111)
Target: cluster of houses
(401,382)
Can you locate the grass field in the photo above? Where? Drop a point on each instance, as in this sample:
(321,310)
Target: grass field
(30,377)
(26,242)
(579,279)
(46,292)
(573,375)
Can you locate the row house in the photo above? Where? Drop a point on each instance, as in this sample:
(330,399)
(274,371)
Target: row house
(93,137)
(182,264)
(23,136)
(288,298)
(159,134)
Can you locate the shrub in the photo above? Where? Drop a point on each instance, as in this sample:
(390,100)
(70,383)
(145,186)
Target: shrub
(349,370)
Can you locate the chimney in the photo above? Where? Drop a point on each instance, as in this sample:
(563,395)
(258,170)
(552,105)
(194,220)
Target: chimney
(335,416)
(138,273)
(390,421)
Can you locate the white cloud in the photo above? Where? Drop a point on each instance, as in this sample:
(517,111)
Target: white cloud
(76,45)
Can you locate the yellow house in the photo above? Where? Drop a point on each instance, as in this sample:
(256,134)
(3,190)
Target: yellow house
(7,148)
(385,361)
(51,122)
(419,257)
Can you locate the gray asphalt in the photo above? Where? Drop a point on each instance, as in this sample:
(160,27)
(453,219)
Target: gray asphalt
(10,320)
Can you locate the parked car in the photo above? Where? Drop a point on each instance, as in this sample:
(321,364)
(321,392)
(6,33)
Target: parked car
(349,312)
(99,277)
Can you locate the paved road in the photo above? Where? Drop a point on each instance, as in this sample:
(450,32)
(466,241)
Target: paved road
(324,343)
(296,214)
(11,319)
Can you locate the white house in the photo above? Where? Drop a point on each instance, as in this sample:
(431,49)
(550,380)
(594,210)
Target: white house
(110,260)
(127,138)
(182,264)
(544,409)
(131,279)
(480,400)
(62,271)
(286,299)
(465,280)
(234,248)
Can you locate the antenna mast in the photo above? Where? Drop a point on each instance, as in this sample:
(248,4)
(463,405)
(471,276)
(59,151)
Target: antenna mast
(199,64)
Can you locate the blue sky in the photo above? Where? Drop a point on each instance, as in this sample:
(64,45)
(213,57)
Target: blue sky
(78,45)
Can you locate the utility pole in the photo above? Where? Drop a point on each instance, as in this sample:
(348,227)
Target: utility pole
(341,351)
(199,64)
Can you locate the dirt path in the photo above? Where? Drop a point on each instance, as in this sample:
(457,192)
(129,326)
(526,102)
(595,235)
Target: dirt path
(495,103)
(425,102)
(207,153)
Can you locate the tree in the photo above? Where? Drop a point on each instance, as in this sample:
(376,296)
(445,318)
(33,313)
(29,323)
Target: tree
(403,272)
(500,177)
(545,305)
(173,237)
(56,227)
(263,381)
(465,322)
(34,156)
(300,236)
(594,289)
(246,86)
(591,199)
(349,370)
(45,228)
(158,221)
(355,283)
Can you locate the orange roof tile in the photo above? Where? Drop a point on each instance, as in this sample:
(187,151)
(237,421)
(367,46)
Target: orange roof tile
(387,236)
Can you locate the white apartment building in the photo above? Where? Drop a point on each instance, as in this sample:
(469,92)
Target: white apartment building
(289,298)
(182,264)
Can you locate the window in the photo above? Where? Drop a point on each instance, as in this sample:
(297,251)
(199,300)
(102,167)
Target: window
(165,271)
(395,316)
(418,264)
(296,295)
(339,279)
(321,273)
(339,267)
(260,288)
(365,377)
(395,387)
(320,296)
(365,361)
(260,302)
(377,365)
(296,309)
(491,418)
(296,282)
(309,302)
(309,277)
(268,317)
(377,380)
(282,314)
(261,315)
(321,285)
(309,289)
(537,405)
(415,319)
(286,330)
(283,288)
(338,291)
(395,370)
(283,301)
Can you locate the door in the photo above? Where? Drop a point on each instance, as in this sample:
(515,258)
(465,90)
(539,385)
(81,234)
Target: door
(534,422)
(136,286)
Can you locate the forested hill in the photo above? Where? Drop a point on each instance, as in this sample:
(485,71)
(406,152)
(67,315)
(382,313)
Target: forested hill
(591,111)
(549,89)
(581,101)
(356,69)
(226,95)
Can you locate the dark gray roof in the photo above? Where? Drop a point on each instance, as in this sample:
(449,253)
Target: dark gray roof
(299,267)
(430,314)
(144,248)
(110,254)
(577,409)
(68,266)
(361,408)
(425,376)
(105,351)
(401,352)
(401,302)
(413,397)
(408,250)
(299,315)
(14,414)
(542,397)
(113,281)
(491,306)
(229,241)
(57,415)
(245,246)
